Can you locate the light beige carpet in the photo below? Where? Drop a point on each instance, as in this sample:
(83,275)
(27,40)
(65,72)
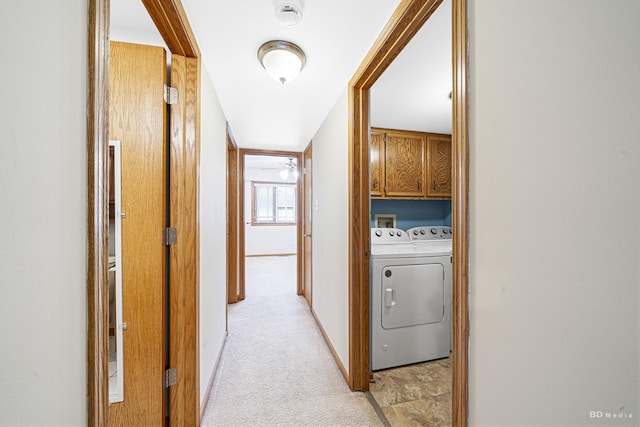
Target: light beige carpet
(276,369)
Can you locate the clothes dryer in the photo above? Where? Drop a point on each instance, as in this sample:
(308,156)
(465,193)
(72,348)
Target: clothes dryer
(410,308)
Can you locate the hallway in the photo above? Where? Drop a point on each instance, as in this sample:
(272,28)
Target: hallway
(276,368)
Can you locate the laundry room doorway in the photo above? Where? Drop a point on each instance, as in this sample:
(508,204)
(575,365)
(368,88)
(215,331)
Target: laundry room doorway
(270,211)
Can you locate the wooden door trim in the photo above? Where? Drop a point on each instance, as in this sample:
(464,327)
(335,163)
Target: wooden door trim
(241,207)
(173,25)
(97,216)
(307,178)
(402,26)
(184,255)
(460,213)
(232,218)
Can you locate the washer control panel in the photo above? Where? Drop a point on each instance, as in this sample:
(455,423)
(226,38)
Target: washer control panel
(382,236)
(418,234)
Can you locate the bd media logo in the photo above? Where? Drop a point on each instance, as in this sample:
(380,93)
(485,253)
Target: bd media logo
(602,414)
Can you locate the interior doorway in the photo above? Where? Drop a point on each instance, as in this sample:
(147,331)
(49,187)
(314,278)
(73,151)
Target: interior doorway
(269,209)
(406,21)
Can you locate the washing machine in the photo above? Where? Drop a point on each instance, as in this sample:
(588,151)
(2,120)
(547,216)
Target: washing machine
(410,299)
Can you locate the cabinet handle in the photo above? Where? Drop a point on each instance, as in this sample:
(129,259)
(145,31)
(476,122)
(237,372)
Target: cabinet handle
(434,185)
(419,184)
(375,183)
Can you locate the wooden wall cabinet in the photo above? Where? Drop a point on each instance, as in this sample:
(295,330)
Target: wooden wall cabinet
(410,165)
(376,168)
(439,166)
(404,159)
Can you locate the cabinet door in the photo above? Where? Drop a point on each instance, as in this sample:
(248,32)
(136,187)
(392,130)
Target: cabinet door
(404,164)
(376,169)
(439,166)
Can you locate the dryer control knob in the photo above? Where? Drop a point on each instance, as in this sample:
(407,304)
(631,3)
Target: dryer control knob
(415,232)
(422,232)
(399,233)
(445,231)
(391,233)
(434,231)
(379,233)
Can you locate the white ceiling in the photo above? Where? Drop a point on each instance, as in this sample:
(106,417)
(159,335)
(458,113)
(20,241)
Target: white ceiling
(335,35)
(413,93)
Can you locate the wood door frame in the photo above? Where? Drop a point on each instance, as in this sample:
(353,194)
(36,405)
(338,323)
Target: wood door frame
(171,21)
(307,178)
(402,26)
(232,218)
(242,253)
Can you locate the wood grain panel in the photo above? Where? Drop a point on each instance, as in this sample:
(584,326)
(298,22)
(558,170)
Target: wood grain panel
(137,119)
(460,213)
(232,218)
(404,164)
(184,268)
(172,23)
(359,240)
(438,166)
(307,229)
(376,169)
(97,217)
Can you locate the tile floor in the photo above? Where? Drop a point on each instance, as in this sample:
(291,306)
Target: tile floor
(415,395)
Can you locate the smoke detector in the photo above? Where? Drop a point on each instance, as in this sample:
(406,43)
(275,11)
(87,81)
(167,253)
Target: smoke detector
(288,12)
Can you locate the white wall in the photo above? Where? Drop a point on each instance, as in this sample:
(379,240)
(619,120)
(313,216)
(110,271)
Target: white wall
(555,212)
(213,231)
(264,239)
(330,228)
(43,284)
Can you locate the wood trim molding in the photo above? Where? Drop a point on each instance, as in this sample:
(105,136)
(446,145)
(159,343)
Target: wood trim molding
(97,258)
(460,214)
(172,23)
(330,345)
(184,256)
(214,373)
(402,26)
(232,218)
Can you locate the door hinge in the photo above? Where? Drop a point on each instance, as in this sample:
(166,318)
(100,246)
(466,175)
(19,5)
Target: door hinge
(170,95)
(169,236)
(169,378)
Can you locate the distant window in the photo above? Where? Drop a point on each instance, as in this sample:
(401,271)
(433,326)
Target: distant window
(273,203)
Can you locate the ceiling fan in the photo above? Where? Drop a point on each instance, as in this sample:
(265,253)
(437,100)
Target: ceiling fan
(286,169)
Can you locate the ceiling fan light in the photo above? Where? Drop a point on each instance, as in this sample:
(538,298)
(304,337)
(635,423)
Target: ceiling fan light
(282,60)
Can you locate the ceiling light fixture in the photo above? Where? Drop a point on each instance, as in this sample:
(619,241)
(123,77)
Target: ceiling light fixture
(282,60)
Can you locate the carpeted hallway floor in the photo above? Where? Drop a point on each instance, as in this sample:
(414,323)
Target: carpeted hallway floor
(276,369)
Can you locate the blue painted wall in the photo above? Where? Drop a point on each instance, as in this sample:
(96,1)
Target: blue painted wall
(413,213)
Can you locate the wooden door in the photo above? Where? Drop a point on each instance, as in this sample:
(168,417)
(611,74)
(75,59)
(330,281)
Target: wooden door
(307,282)
(439,166)
(404,164)
(232,219)
(376,159)
(137,119)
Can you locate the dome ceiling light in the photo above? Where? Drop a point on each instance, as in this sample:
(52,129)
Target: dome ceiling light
(282,60)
